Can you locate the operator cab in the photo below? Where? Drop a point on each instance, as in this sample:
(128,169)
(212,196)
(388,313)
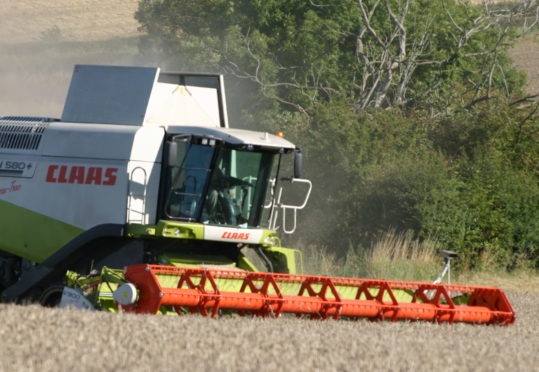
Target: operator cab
(215,178)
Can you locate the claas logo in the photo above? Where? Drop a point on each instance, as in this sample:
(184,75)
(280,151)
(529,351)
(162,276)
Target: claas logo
(235,235)
(81,175)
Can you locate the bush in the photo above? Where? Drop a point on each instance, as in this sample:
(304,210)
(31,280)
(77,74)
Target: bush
(445,159)
(459,179)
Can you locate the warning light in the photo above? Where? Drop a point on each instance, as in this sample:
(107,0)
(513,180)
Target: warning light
(279,134)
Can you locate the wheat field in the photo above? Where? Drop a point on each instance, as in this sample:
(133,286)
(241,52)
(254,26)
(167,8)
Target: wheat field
(42,339)
(25,21)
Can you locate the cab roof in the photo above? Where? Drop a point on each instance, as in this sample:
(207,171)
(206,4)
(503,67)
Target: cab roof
(235,137)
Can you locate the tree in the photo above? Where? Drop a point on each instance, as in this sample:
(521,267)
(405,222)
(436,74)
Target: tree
(378,53)
(404,108)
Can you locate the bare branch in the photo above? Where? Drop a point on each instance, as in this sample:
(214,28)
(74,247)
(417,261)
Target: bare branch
(529,98)
(387,60)
(478,100)
(367,19)
(318,5)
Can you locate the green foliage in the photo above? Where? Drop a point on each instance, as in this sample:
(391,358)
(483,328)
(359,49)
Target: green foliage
(375,53)
(425,141)
(493,217)
(501,217)
(459,179)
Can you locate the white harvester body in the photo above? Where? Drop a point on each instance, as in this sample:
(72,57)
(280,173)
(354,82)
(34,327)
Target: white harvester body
(101,163)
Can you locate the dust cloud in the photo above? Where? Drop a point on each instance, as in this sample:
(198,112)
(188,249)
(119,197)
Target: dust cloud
(41,41)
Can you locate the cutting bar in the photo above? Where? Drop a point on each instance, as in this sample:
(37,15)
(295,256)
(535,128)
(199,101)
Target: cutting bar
(213,291)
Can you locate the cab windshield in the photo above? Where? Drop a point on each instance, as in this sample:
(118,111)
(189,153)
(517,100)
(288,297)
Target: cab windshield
(218,185)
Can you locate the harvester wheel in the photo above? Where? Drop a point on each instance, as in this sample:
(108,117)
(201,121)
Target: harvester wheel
(52,295)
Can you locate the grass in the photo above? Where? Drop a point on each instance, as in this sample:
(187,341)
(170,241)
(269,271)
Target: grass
(518,281)
(397,256)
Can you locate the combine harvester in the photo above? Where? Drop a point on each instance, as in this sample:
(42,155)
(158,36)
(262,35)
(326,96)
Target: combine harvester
(142,199)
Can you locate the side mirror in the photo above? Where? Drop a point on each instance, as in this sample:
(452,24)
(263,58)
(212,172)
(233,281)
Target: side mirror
(172,154)
(298,162)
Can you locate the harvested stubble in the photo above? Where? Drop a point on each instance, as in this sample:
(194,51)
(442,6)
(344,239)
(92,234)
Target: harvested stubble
(35,338)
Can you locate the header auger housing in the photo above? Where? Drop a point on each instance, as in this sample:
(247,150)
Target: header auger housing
(141,198)
(208,291)
(165,289)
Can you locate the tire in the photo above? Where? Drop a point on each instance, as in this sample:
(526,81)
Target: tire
(52,295)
